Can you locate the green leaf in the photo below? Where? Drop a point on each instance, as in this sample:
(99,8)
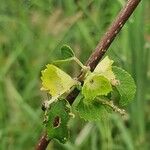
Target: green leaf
(126,86)
(92,112)
(95,85)
(105,68)
(67,52)
(56,81)
(58,117)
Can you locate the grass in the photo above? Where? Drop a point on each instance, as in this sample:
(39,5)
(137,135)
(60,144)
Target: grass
(31,34)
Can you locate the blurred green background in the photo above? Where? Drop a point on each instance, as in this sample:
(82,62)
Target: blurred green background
(31,34)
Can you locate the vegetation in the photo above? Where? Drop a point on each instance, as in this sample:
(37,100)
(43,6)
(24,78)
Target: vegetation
(31,35)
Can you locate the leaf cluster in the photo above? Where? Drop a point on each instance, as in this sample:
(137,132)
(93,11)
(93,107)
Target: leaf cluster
(104,90)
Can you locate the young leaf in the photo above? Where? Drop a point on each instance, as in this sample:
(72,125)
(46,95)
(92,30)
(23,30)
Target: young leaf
(56,81)
(126,87)
(92,112)
(95,85)
(67,52)
(58,117)
(105,68)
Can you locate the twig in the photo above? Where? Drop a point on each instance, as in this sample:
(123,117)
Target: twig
(100,50)
(110,35)
(43,143)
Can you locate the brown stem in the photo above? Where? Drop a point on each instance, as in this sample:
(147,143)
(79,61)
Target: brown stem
(42,143)
(110,35)
(99,51)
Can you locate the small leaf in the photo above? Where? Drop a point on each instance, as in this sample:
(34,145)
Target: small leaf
(105,68)
(56,81)
(92,112)
(126,86)
(95,85)
(67,52)
(58,117)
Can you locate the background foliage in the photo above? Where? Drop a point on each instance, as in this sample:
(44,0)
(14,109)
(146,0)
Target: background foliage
(31,34)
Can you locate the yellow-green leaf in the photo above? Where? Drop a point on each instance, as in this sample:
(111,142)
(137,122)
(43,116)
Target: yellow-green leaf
(105,68)
(95,85)
(56,81)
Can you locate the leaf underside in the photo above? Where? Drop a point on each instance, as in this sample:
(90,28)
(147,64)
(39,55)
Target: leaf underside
(92,112)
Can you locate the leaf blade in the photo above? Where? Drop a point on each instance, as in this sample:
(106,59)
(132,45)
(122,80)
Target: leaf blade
(67,52)
(58,117)
(126,87)
(56,81)
(95,85)
(105,68)
(94,111)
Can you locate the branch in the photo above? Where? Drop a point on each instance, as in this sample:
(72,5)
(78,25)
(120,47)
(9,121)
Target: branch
(110,35)
(42,143)
(98,53)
